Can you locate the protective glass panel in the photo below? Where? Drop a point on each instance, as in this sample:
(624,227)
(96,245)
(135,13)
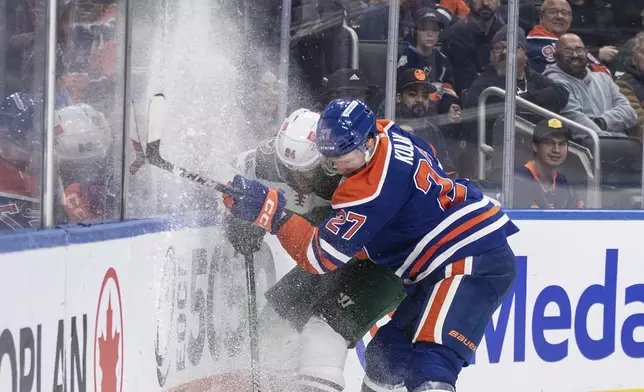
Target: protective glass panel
(589,55)
(89,118)
(204,89)
(22,70)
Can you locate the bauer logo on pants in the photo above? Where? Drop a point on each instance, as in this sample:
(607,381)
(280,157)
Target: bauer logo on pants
(108,336)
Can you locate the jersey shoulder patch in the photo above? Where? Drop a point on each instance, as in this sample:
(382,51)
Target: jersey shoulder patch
(548,51)
(267,146)
(402,61)
(367,184)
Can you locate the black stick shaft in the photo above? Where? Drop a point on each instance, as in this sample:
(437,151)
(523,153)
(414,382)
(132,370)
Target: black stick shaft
(154,158)
(252,322)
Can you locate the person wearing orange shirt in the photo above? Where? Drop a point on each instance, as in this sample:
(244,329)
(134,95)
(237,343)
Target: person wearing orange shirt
(539,184)
(458,8)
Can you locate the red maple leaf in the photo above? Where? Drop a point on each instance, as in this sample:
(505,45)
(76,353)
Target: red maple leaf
(109,352)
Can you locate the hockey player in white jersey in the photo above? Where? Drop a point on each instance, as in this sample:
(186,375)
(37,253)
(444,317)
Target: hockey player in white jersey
(291,163)
(300,348)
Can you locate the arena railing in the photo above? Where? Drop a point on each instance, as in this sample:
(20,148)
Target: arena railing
(594,194)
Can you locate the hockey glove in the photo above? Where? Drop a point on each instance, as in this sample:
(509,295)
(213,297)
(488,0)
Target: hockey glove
(245,238)
(257,203)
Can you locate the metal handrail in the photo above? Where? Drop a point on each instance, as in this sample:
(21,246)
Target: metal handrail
(353,36)
(594,199)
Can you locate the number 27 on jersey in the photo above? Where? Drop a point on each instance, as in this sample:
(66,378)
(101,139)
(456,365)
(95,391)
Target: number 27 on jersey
(334,225)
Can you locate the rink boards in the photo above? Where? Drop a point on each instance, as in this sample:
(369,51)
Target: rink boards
(156,305)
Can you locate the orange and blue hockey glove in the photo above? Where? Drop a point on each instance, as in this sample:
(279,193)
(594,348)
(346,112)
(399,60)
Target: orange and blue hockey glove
(256,203)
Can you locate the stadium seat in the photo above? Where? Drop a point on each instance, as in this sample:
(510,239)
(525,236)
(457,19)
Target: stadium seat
(529,14)
(621,164)
(373,64)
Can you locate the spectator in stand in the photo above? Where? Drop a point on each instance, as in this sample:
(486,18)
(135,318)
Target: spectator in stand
(83,149)
(592,22)
(373,24)
(467,43)
(425,55)
(594,100)
(457,8)
(538,184)
(345,83)
(531,85)
(414,109)
(631,83)
(554,21)
(91,53)
(626,51)
(25,50)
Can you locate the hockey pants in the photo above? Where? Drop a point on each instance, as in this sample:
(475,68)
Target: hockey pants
(436,329)
(310,361)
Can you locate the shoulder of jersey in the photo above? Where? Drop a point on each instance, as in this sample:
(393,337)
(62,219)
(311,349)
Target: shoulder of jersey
(244,162)
(540,34)
(368,184)
(267,146)
(402,151)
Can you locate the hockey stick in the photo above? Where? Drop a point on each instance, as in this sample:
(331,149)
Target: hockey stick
(136,142)
(156,119)
(252,322)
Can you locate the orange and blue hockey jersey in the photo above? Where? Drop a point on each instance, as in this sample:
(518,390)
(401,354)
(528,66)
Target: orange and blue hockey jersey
(402,211)
(541,51)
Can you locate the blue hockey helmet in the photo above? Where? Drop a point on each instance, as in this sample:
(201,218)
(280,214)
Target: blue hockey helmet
(344,125)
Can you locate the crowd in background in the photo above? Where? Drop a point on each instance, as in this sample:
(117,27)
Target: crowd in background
(581,59)
(88,115)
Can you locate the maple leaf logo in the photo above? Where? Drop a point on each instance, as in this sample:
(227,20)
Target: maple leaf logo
(108,336)
(109,351)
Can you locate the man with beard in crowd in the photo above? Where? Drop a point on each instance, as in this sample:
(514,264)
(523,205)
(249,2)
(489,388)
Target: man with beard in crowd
(414,108)
(554,21)
(430,22)
(467,43)
(593,21)
(594,99)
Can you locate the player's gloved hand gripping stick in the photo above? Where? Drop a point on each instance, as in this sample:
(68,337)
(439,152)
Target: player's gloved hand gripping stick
(244,196)
(257,204)
(248,200)
(156,119)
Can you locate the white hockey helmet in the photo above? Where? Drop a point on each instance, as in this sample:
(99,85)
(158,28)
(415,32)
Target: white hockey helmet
(81,134)
(295,141)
